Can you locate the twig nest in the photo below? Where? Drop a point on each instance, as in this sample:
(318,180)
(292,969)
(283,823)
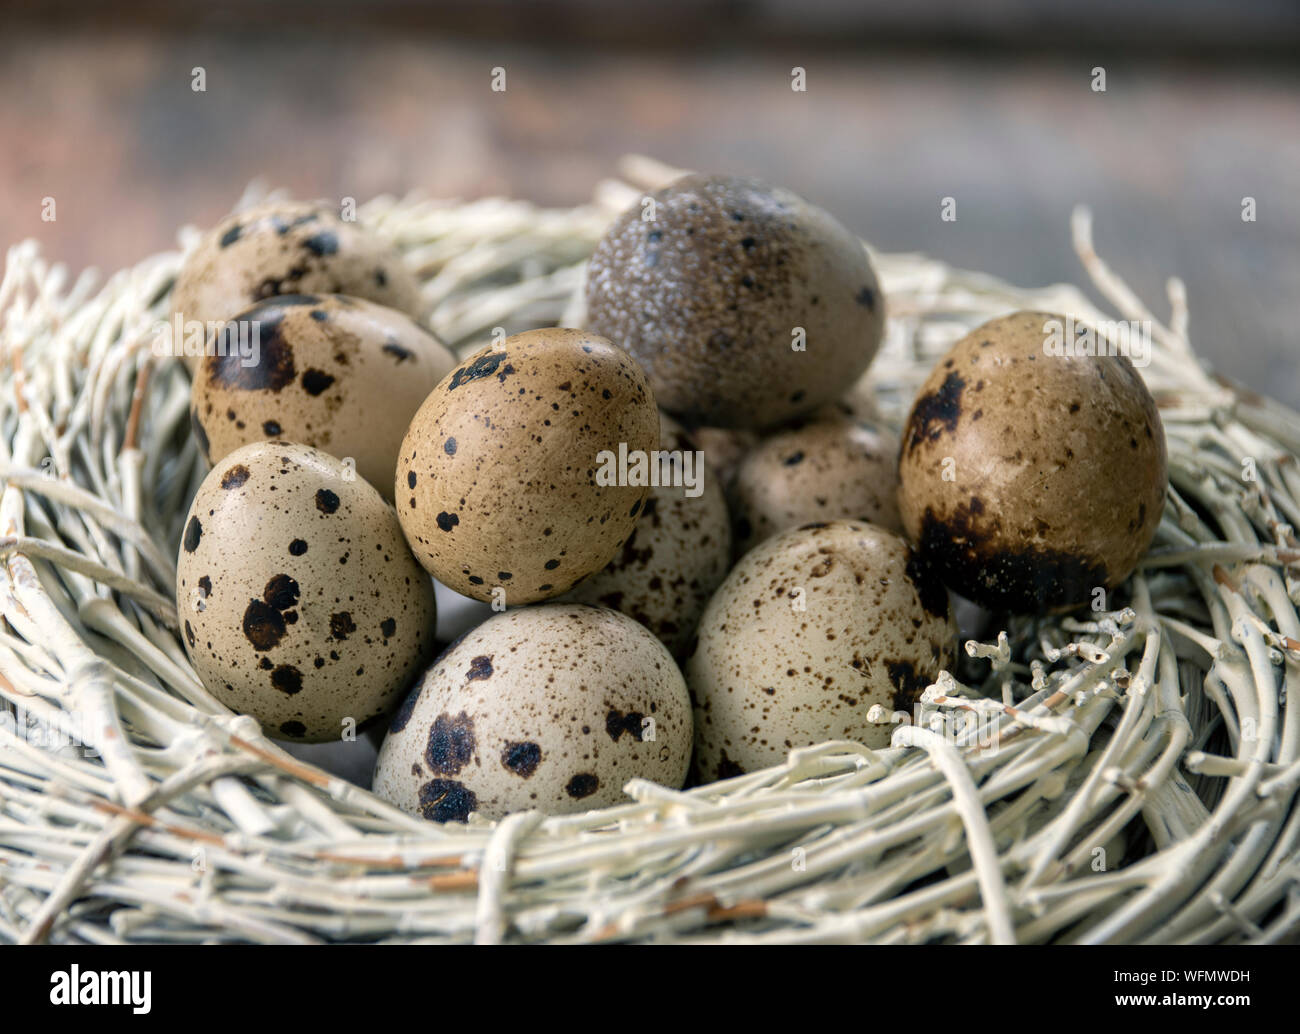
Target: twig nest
(299,602)
(339,373)
(809,632)
(679,551)
(526,468)
(552,707)
(746,305)
(819,471)
(1031,479)
(288,247)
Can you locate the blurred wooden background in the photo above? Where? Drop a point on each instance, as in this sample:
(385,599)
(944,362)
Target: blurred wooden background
(906,104)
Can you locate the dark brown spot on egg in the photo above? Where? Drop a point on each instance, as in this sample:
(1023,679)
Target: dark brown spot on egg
(294,729)
(287,679)
(522,758)
(617,723)
(316,381)
(447,521)
(449,446)
(321,244)
(479,668)
(403,713)
(483,366)
(451,744)
(263,625)
(728,769)
(298,547)
(445,800)
(193,533)
(935,412)
(584,784)
(230,236)
(326,501)
(398,353)
(342,625)
(271,429)
(234,477)
(388,627)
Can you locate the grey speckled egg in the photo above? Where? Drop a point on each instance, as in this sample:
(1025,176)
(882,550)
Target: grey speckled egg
(289,247)
(820,471)
(299,601)
(339,373)
(679,552)
(553,707)
(809,631)
(512,474)
(746,305)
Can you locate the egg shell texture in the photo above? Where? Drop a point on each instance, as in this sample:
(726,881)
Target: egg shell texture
(1057,468)
(299,601)
(339,373)
(819,471)
(678,553)
(289,247)
(707,295)
(810,630)
(498,482)
(549,707)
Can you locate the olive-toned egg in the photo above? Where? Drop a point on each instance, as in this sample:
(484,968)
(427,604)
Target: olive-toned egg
(553,707)
(809,632)
(1030,479)
(819,471)
(746,305)
(339,373)
(526,468)
(288,247)
(679,552)
(299,601)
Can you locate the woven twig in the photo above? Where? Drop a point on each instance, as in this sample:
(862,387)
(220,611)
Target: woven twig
(1124,776)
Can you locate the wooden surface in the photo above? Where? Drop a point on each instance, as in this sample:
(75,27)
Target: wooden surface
(106,123)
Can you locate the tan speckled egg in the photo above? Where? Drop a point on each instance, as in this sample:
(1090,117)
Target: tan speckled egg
(746,305)
(1030,479)
(519,472)
(339,373)
(809,631)
(289,247)
(552,707)
(299,602)
(678,554)
(821,471)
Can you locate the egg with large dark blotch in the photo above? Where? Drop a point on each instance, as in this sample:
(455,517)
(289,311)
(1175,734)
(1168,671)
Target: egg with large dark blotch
(339,373)
(1032,474)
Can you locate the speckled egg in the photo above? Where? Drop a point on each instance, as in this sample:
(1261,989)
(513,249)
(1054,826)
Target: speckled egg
(289,247)
(299,601)
(339,373)
(679,552)
(518,476)
(819,471)
(553,707)
(810,630)
(1031,479)
(746,305)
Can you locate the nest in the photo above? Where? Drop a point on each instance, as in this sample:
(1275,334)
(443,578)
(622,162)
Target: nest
(1125,776)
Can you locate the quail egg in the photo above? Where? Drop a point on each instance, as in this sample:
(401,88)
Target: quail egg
(299,601)
(816,472)
(810,631)
(553,707)
(288,247)
(678,553)
(746,305)
(342,374)
(526,468)
(1030,480)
